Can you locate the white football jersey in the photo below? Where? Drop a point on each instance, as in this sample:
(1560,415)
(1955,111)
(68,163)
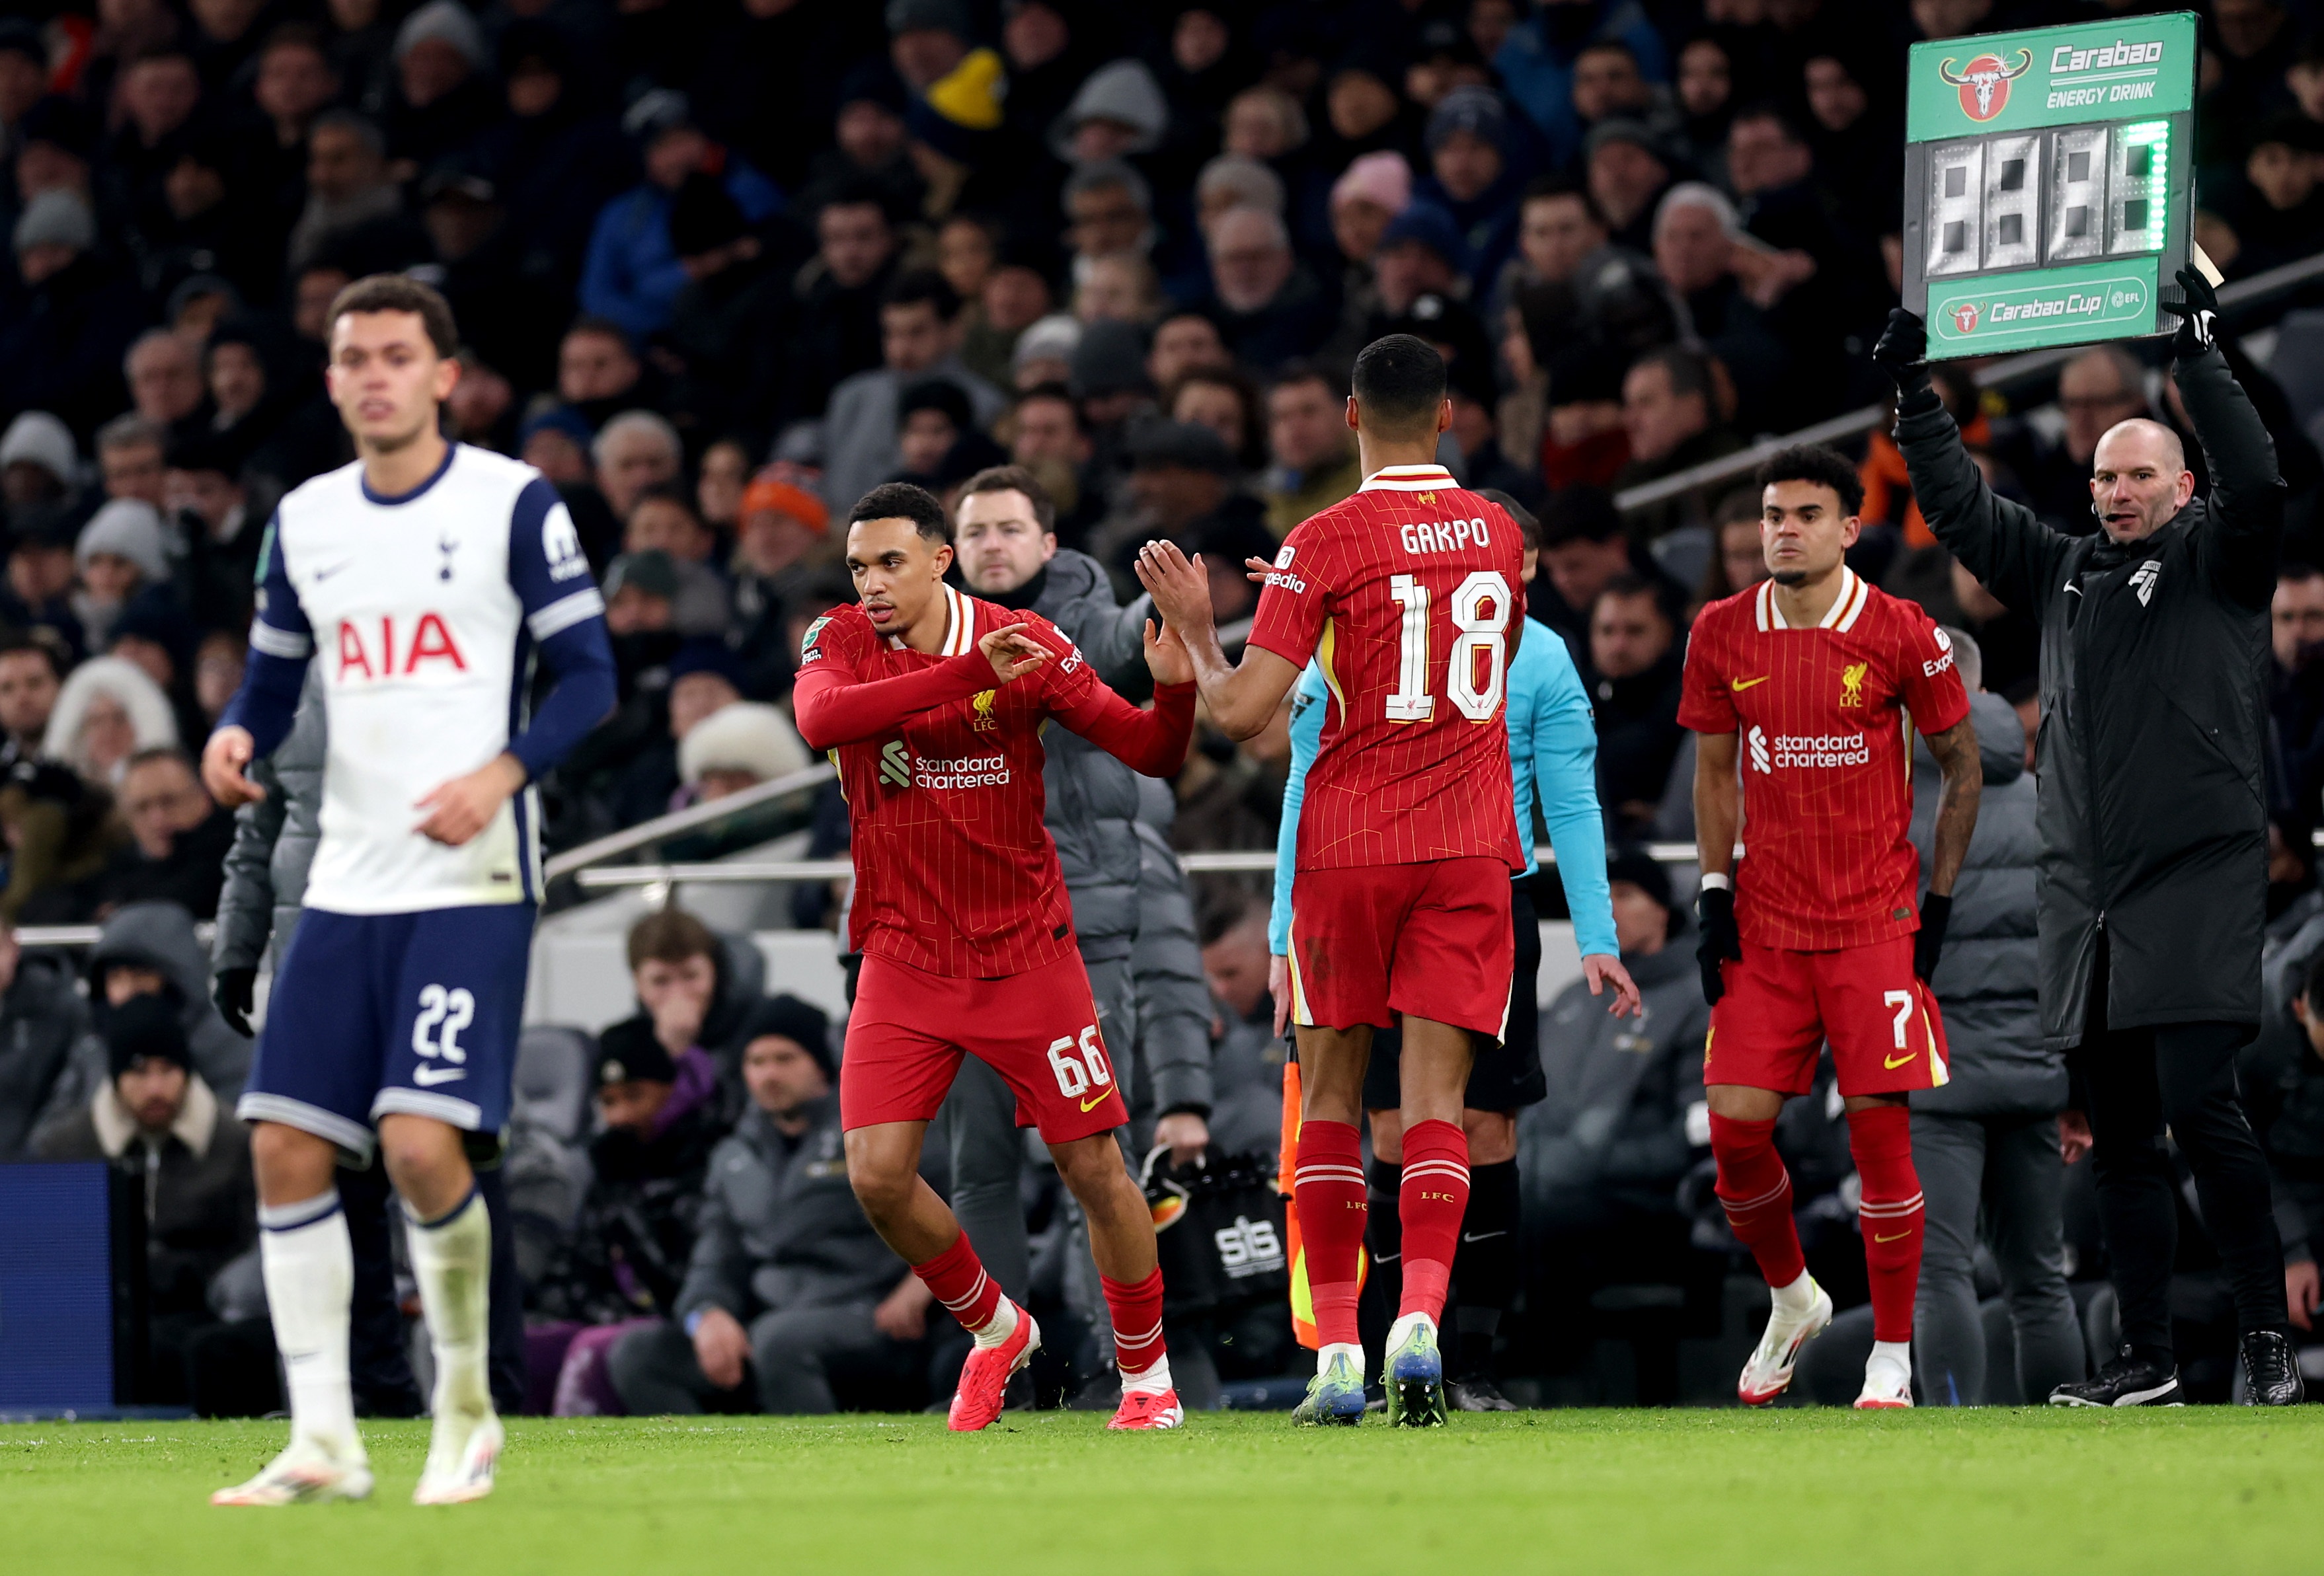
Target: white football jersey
(423,612)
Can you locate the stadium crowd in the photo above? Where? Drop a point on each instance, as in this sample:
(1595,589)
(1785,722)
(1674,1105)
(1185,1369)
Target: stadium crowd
(722,265)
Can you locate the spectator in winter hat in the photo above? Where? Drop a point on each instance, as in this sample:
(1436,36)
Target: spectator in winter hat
(54,228)
(1044,351)
(738,746)
(107,711)
(122,550)
(927,40)
(1629,168)
(1120,111)
(1472,177)
(555,442)
(1371,192)
(38,462)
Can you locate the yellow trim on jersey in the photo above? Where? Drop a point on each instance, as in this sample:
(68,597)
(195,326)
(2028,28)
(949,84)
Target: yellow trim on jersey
(1300,1014)
(1324,648)
(1939,1074)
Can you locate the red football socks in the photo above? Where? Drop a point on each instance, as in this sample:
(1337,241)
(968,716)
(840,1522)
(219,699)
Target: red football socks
(1880,1137)
(1328,1190)
(1756,1192)
(957,1280)
(1430,1203)
(1136,1313)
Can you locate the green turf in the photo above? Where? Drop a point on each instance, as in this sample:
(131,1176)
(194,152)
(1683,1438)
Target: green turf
(2205,1490)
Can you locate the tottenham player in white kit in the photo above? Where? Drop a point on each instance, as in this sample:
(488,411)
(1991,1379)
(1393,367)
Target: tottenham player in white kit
(427,578)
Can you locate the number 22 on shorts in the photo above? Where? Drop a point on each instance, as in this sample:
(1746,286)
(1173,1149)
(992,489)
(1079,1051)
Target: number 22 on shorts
(1081,1066)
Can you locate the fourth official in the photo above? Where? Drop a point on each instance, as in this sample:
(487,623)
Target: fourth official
(2153,873)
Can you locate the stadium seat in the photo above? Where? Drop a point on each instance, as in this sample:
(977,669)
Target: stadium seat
(2298,363)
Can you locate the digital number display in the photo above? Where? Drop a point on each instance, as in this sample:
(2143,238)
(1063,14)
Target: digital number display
(2019,200)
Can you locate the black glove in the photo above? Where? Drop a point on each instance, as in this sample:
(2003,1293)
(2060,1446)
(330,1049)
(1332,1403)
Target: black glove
(1903,352)
(233,991)
(1936,910)
(1714,912)
(2198,311)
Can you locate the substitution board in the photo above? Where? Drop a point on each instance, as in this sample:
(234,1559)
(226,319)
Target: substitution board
(2049,183)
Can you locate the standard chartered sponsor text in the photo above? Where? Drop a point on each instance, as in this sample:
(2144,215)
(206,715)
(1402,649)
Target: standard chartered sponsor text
(1821,749)
(961,771)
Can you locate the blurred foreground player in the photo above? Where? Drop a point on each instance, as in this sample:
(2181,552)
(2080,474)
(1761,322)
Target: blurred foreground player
(1403,595)
(1811,683)
(435,573)
(932,705)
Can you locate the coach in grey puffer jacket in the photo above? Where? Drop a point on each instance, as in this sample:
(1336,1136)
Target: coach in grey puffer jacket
(1988,978)
(273,843)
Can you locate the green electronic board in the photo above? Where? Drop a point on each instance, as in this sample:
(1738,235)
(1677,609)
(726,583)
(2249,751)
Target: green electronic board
(2049,183)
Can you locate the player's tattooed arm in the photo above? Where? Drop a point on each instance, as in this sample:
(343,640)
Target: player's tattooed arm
(1956,752)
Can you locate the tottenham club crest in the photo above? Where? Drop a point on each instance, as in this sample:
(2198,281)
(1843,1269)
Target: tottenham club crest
(1984,83)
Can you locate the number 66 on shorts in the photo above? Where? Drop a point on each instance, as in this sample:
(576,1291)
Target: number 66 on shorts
(910,1029)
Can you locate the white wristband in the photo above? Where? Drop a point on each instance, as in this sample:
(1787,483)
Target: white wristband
(1717,880)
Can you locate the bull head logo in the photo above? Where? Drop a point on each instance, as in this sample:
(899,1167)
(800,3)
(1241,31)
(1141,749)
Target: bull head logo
(1965,318)
(1985,84)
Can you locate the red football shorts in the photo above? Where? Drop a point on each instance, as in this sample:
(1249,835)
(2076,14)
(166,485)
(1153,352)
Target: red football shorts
(1781,1006)
(908,1030)
(1433,940)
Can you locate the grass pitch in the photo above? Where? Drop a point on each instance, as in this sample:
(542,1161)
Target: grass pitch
(2211,1489)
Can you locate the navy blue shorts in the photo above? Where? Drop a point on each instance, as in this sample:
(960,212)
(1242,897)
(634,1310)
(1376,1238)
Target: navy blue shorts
(373,1014)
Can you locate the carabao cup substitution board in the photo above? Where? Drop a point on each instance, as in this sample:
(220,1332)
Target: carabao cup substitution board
(2049,182)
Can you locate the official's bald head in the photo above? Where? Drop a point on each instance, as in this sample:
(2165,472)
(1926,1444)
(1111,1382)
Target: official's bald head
(2141,440)
(2139,479)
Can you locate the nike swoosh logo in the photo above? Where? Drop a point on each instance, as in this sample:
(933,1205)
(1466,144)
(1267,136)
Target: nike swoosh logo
(1892,1063)
(1899,1237)
(1739,685)
(1480,1236)
(1095,1100)
(322,575)
(429,1077)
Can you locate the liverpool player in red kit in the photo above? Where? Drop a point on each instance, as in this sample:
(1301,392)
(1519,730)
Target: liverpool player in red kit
(1813,682)
(1405,596)
(932,705)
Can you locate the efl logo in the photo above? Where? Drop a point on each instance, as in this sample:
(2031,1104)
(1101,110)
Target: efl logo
(1984,85)
(1965,318)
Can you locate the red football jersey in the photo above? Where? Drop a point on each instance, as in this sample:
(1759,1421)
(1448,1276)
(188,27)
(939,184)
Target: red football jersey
(954,872)
(1402,595)
(1826,717)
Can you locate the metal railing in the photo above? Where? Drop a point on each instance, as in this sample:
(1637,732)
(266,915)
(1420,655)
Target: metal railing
(1235,861)
(1997,374)
(678,822)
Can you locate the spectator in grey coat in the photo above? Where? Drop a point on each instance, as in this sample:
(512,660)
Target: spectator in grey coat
(42,1018)
(1988,1137)
(789,1286)
(919,338)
